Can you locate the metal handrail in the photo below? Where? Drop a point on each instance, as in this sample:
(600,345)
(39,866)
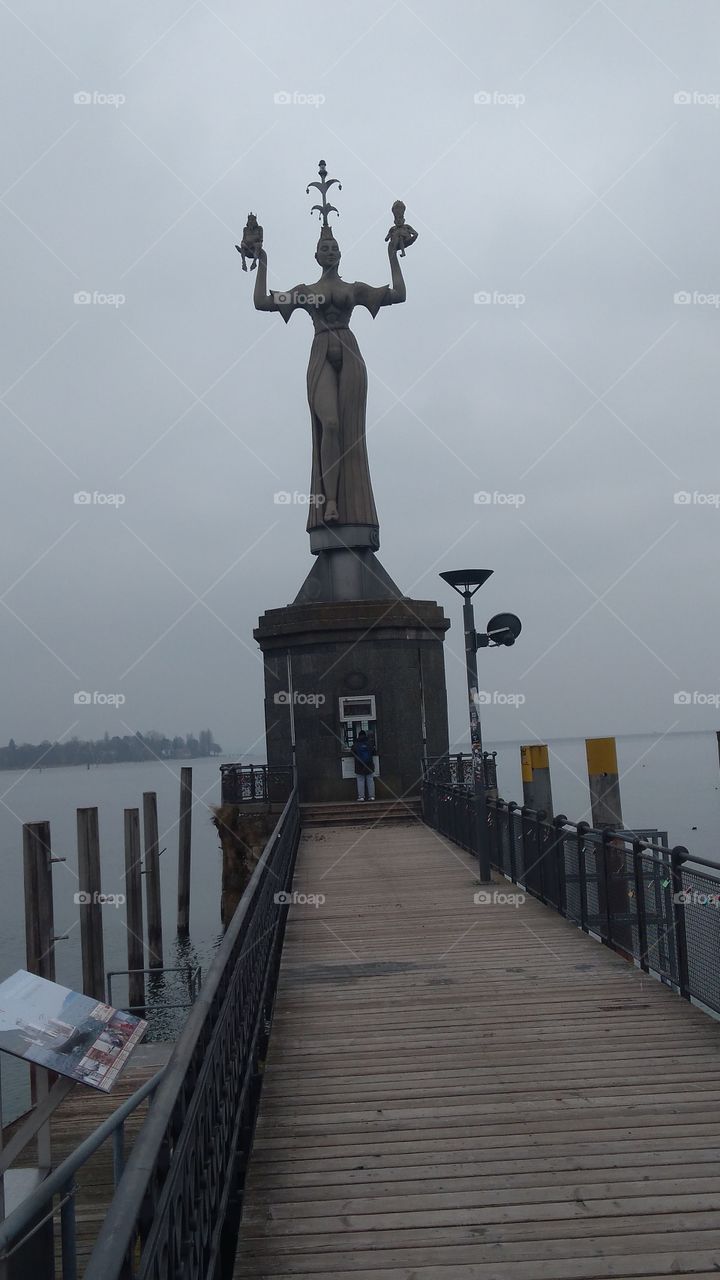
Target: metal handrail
(21,1221)
(140,1205)
(648,902)
(591,833)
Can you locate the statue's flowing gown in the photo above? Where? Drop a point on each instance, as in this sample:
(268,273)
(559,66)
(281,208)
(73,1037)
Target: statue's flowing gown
(355,501)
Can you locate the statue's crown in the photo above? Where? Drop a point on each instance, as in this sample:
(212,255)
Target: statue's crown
(324,209)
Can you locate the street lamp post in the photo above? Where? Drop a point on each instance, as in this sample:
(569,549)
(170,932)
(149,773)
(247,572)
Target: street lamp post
(502,629)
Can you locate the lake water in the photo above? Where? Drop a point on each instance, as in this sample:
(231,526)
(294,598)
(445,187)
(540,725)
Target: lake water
(672,783)
(54,795)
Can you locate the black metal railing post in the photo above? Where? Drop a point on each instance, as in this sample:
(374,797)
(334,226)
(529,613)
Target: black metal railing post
(640,900)
(607,835)
(528,861)
(678,856)
(582,830)
(559,856)
(500,828)
(512,806)
(540,816)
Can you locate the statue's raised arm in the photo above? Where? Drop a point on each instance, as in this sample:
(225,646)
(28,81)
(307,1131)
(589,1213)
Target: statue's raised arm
(340,489)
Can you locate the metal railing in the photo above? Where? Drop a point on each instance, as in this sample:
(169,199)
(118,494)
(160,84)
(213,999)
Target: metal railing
(658,907)
(177,1200)
(177,1207)
(253,783)
(192,973)
(457,770)
(37,1209)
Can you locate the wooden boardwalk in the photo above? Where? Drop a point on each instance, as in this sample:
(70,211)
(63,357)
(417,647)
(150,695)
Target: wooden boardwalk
(462,1091)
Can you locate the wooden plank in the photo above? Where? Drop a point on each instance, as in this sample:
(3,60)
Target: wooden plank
(461,1092)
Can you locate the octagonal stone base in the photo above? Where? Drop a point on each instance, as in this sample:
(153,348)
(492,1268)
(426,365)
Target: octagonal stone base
(391,649)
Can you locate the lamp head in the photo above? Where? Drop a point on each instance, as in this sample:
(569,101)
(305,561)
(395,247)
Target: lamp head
(466,581)
(504,628)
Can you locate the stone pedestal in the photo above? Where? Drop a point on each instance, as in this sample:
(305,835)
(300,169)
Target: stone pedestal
(315,653)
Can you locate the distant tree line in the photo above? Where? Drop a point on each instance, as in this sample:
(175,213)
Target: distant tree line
(109,750)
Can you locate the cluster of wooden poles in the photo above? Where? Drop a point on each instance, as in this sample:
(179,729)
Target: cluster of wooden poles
(38,860)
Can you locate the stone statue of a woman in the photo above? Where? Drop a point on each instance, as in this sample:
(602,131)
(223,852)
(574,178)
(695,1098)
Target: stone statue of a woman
(340,488)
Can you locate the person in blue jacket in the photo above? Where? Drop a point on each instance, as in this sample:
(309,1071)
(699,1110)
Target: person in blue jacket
(363,752)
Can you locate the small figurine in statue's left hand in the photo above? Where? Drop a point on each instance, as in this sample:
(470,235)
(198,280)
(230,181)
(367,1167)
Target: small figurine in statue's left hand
(401,234)
(251,243)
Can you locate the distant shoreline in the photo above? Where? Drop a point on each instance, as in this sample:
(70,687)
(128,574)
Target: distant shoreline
(110,764)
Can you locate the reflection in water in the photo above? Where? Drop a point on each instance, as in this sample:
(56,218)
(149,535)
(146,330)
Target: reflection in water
(170,992)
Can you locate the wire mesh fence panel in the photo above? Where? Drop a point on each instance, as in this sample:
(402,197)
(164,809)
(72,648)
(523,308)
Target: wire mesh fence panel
(502,844)
(516,828)
(551,865)
(573,888)
(591,880)
(622,893)
(532,873)
(660,931)
(700,901)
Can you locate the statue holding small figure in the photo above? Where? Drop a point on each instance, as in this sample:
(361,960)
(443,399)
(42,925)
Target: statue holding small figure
(340,487)
(251,242)
(401,234)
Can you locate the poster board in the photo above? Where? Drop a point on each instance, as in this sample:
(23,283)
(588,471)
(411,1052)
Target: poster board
(66,1032)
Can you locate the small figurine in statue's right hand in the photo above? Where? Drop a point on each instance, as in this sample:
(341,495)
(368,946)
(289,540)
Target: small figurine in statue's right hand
(401,234)
(251,243)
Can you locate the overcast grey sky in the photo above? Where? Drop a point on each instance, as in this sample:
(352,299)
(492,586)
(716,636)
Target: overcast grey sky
(562,151)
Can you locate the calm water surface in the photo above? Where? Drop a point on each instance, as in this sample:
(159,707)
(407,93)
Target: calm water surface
(672,783)
(54,795)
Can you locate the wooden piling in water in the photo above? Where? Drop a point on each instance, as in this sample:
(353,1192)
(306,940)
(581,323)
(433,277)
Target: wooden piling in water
(613,882)
(39,911)
(39,944)
(604,782)
(184,847)
(152,881)
(91,929)
(134,905)
(537,790)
